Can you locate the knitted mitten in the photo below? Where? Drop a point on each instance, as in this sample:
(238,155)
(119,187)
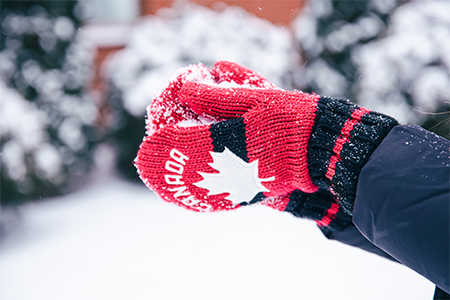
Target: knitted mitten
(273,144)
(167,109)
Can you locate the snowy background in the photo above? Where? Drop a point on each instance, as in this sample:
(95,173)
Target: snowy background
(113,239)
(389,56)
(47,117)
(116,240)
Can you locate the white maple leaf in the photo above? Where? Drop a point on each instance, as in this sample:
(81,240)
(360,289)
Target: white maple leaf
(236,177)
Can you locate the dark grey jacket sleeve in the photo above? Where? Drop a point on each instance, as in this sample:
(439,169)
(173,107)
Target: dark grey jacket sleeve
(402,205)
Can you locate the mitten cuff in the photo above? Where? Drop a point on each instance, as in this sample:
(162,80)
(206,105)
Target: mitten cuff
(344,136)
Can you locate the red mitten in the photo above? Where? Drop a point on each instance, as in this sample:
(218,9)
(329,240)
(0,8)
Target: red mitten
(273,143)
(167,109)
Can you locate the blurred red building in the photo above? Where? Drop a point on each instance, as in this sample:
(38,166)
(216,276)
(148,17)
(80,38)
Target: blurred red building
(277,11)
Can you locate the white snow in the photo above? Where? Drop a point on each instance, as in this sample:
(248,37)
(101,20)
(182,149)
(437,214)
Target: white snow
(412,58)
(48,162)
(64,28)
(191,34)
(29,153)
(21,119)
(116,240)
(403,72)
(193,122)
(13,160)
(23,131)
(331,81)
(70,133)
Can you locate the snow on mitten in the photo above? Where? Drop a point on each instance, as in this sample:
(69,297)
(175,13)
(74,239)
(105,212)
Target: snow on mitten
(167,109)
(278,144)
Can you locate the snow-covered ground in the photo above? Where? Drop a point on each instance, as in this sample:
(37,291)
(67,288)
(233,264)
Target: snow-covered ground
(115,240)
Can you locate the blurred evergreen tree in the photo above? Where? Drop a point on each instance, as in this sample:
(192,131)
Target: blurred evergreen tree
(390,56)
(46,117)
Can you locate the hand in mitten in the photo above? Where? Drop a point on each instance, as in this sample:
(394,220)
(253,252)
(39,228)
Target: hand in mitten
(167,109)
(273,143)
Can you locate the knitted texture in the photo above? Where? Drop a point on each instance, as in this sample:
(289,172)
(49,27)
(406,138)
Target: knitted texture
(320,206)
(270,141)
(167,109)
(344,137)
(260,144)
